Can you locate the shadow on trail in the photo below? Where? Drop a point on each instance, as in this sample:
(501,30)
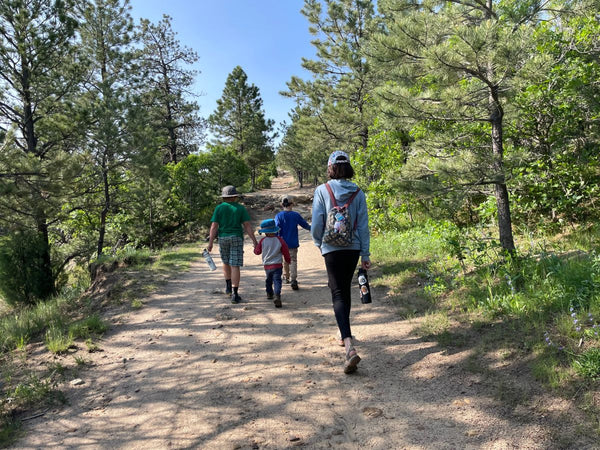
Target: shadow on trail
(254,375)
(191,370)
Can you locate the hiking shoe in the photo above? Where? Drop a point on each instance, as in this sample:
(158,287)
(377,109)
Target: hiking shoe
(277,301)
(294,285)
(235,298)
(270,295)
(352,360)
(286,280)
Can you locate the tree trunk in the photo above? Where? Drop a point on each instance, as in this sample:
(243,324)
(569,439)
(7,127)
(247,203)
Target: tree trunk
(103,213)
(500,190)
(47,287)
(46,277)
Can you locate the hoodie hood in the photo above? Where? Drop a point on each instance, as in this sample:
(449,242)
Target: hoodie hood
(342,189)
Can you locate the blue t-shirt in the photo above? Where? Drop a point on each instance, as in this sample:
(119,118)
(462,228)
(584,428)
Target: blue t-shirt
(288,222)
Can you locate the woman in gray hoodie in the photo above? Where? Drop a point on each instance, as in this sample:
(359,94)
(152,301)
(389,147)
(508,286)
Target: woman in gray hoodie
(341,258)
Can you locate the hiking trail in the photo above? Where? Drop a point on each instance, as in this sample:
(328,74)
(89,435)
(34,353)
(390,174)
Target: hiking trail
(190,370)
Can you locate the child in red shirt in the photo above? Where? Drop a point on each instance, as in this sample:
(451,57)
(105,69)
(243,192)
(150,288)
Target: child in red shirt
(274,250)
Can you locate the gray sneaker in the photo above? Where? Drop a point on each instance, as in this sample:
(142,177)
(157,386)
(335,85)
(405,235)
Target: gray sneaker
(352,360)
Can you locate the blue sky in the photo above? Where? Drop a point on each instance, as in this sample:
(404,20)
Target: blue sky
(267,38)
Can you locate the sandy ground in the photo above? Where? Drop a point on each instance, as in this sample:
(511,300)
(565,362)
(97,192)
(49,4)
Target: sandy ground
(191,370)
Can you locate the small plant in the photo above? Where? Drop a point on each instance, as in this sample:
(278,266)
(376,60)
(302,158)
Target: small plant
(57,368)
(588,364)
(57,341)
(33,390)
(136,304)
(91,346)
(81,362)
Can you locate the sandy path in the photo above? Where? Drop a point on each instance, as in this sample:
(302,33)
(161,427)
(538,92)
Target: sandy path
(190,370)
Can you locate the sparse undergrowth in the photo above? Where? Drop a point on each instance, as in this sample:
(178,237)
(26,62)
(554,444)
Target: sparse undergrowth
(69,326)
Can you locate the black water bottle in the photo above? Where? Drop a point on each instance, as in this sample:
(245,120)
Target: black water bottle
(363,284)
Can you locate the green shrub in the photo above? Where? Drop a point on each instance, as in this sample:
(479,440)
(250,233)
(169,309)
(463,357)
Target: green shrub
(22,271)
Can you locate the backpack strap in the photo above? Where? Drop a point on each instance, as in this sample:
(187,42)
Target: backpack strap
(354,194)
(331,195)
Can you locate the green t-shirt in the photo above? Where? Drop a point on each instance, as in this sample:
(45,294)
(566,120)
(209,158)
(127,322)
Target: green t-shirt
(230,217)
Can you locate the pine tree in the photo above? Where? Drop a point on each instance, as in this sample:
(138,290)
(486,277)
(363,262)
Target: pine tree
(452,68)
(239,122)
(342,76)
(38,106)
(106,35)
(169,90)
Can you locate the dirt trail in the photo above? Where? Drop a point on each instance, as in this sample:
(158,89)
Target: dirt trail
(190,370)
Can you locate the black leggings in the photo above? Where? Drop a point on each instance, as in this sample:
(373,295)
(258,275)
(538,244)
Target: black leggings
(340,271)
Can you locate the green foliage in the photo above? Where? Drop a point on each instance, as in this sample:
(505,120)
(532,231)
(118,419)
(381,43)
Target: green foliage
(226,167)
(390,206)
(239,123)
(548,298)
(342,80)
(167,80)
(90,326)
(539,286)
(57,340)
(587,364)
(10,430)
(555,130)
(304,149)
(22,278)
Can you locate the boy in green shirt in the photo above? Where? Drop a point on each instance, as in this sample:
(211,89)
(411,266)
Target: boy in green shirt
(229,220)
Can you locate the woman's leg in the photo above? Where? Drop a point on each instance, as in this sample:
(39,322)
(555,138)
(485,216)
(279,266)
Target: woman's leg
(340,271)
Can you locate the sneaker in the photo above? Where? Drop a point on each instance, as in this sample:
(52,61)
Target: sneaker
(294,285)
(286,280)
(277,301)
(352,360)
(235,298)
(270,295)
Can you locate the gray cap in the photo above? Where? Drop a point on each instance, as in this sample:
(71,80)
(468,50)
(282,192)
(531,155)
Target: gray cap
(229,191)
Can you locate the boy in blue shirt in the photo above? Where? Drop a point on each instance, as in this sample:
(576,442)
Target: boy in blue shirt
(288,222)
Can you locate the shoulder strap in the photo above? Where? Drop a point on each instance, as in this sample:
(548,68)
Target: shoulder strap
(331,195)
(354,194)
